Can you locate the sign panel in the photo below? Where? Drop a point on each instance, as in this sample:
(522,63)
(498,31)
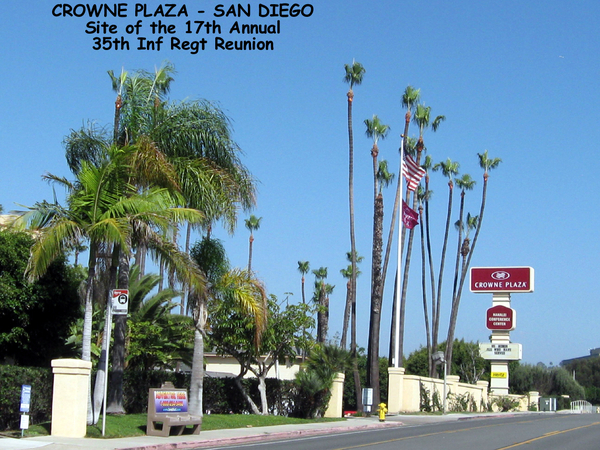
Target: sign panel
(120,301)
(499,375)
(501,279)
(25,398)
(501,352)
(171,401)
(500,317)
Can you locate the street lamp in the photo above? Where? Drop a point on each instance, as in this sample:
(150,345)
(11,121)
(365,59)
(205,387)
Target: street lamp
(439,357)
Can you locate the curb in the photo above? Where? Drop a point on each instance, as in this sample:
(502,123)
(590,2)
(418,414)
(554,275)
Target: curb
(261,437)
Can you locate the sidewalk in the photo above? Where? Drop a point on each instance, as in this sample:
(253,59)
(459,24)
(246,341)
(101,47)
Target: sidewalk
(228,436)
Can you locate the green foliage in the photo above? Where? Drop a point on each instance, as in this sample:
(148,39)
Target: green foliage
(34,317)
(506,404)
(424,399)
(554,381)
(587,373)
(11,380)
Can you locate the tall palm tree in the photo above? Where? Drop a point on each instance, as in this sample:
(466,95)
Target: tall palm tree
(422,118)
(194,137)
(252,224)
(449,170)
(303,268)
(384,178)
(354,77)
(376,130)
(422,196)
(487,164)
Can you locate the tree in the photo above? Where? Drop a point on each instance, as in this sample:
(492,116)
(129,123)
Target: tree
(36,317)
(303,268)
(236,288)
(422,120)
(449,170)
(487,164)
(157,338)
(347,274)
(354,77)
(102,207)
(384,179)
(321,299)
(186,147)
(253,223)
(233,333)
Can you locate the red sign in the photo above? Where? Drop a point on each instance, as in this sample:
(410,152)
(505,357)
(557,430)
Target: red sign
(501,279)
(501,318)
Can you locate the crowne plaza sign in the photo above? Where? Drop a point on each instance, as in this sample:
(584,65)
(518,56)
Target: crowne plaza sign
(501,279)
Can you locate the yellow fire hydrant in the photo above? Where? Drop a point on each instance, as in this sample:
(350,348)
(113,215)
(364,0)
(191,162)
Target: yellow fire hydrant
(382,410)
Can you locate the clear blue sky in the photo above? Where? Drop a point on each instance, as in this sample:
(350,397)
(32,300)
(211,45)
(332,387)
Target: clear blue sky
(519,79)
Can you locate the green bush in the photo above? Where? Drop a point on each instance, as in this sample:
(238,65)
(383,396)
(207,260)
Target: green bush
(11,380)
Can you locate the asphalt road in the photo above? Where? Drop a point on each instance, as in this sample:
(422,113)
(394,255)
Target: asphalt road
(531,432)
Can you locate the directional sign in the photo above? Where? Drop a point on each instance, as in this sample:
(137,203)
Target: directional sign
(500,317)
(120,301)
(501,352)
(501,279)
(25,398)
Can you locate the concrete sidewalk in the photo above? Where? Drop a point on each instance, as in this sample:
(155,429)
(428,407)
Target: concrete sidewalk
(229,436)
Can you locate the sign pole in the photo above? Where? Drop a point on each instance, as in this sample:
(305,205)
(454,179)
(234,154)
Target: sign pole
(107,336)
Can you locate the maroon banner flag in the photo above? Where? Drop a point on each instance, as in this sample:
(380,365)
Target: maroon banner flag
(412,172)
(410,218)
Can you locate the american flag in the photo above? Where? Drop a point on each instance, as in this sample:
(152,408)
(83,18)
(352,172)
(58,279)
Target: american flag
(412,172)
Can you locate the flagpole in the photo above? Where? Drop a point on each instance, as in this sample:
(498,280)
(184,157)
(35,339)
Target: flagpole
(399,265)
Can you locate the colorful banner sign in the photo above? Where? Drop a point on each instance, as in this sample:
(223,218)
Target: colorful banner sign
(169,401)
(501,279)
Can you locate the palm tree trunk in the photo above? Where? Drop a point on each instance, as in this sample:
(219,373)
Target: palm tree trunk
(115,391)
(346,322)
(197,377)
(456,301)
(86,345)
(375,317)
(436,325)
(353,252)
(424,285)
(250,253)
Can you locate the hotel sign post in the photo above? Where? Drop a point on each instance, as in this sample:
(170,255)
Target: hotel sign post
(501,319)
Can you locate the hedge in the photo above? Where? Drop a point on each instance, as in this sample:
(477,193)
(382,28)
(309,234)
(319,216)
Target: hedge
(220,395)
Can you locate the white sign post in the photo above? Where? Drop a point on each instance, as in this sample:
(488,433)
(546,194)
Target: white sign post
(500,318)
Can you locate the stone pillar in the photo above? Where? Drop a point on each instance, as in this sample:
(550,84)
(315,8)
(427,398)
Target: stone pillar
(534,400)
(70,397)
(395,388)
(334,409)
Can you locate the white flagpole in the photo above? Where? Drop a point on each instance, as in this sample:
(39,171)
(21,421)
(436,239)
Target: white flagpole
(398,278)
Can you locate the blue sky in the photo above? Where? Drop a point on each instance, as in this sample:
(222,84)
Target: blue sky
(519,79)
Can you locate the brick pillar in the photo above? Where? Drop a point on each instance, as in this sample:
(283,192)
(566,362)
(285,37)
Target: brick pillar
(70,397)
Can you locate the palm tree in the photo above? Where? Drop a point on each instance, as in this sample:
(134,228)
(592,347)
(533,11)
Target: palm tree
(193,137)
(303,268)
(354,76)
(376,131)
(253,223)
(101,209)
(465,183)
(238,287)
(320,298)
(449,170)
(385,178)
(487,164)
(347,274)
(422,120)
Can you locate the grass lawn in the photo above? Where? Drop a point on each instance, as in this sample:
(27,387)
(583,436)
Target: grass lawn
(135,424)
